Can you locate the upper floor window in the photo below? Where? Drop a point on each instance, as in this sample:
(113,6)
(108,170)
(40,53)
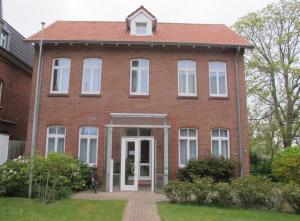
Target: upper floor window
(188,146)
(60,75)
(217,79)
(1,91)
(141,28)
(55,139)
(187,78)
(220,143)
(91,79)
(3,39)
(88,145)
(139,77)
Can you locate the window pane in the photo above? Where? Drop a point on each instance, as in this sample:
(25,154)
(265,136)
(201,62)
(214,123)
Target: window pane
(134,79)
(222,83)
(145,170)
(224,148)
(182,82)
(215,148)
(192,133)
(65,80)
(55,80)
(223,133)
(183,146)
(215,133)
(56,62)
(143,63)
(213,83)
(84,131)
(51,145)
(96,80)
(193,150)
(60,145)
(145,151)
(135,63)
(144,81)
(191,81)
(141,28)
(52,130)
(145,132)
(183,132)
(93,151)
(65,63)
(131,132)
(92,131)
(217,65)
(83,150)
(87,80)
(92,62)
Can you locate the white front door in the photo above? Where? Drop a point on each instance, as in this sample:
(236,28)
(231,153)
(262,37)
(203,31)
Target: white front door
(136,162)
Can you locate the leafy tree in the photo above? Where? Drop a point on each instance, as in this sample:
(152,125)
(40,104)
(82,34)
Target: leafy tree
(273,70)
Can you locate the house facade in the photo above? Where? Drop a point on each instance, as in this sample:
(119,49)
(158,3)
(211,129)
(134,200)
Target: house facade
(139,99)
(16,60)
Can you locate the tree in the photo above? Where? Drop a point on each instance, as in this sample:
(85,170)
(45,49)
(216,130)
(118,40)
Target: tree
(273,68)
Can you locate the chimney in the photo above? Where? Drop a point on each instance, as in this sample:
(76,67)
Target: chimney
(1,10)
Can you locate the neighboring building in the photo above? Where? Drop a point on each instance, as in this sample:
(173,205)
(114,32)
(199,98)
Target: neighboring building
(148,95)
(16,59)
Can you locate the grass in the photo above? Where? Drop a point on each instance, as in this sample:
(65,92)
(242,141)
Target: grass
(180,212)
(18,209)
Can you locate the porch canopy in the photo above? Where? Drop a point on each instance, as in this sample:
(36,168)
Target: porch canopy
(136,120)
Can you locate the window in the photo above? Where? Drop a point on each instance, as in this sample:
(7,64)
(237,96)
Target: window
(187,78)
(1,91)
(188,146)
(55,139)
(3,39)
(143,132)
(91,80)
(220,143)
(139,77)
(141,28)
(60,75)
(217,79)
(88,145)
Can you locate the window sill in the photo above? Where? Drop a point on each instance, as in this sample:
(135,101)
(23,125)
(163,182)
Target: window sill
(187,97)
(139,96)
(218,98)
(90,95)
(58,95)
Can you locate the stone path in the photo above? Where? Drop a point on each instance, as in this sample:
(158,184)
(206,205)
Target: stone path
(141,205)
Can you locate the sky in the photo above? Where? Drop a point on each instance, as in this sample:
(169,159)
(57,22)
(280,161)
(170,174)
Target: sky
(26,15)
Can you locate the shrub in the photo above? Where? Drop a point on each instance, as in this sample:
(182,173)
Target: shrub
(201,189)
(291,193)
(275,198)
(178,191)
(286,164)
(222,195)
(219,169)
(252,190)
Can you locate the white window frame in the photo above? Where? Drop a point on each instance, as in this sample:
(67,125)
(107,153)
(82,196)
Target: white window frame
(55,136)
(1,91)
(146,28)
(60,70)
(92,69)
(217,71)
(139,69)
(188,138)
(3,39)
(220,139)
(186,70)
(88,137)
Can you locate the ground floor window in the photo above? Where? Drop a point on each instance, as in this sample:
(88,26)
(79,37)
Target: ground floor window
(88,145)
(188,146)
(220,143)
(55,139)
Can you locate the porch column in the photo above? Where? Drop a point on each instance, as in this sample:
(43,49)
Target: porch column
(166,156)
(108,157)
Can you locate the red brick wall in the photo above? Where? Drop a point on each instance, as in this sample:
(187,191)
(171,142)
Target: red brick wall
(203,112)
(15,99)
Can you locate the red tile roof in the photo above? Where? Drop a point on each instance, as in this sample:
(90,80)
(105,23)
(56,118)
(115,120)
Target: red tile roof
(166,33)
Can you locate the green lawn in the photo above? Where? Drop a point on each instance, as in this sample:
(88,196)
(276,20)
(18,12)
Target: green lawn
(17,209)
(178,212)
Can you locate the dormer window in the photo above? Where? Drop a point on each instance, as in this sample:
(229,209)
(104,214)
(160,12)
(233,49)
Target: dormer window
(141,28)
(3,39)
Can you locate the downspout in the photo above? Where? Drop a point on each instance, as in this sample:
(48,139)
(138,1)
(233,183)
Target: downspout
(36,110)
(238,109)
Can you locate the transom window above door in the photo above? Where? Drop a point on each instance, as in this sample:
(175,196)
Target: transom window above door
(91,78)
(217,79)
(60,75)
(187,78)
(55,139)
(139,77)
(188,146)
(136,132)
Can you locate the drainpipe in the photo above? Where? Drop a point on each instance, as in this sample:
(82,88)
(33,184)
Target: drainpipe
(36,110)
(238,110)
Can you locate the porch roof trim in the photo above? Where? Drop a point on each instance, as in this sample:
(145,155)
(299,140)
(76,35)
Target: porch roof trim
(137,126)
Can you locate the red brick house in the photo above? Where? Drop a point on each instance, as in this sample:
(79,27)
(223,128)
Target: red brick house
(138,99)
